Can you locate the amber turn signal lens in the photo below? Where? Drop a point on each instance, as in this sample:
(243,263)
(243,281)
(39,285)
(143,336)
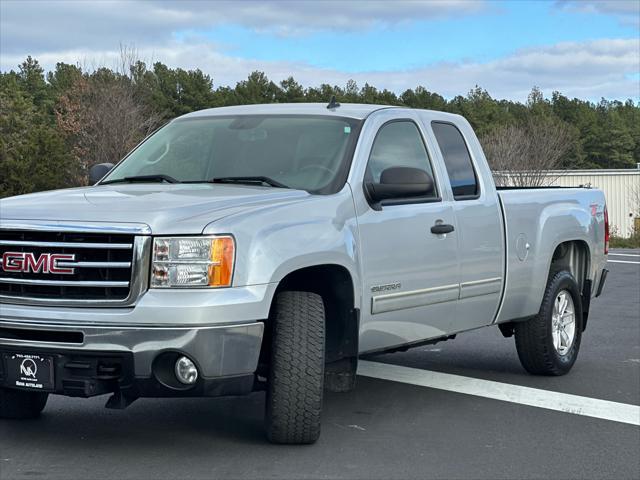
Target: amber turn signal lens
(221,267)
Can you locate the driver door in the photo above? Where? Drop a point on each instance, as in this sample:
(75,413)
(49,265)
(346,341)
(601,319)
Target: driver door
(410,272)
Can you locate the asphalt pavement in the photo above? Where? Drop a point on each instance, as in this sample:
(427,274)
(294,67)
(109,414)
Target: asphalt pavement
(383,429)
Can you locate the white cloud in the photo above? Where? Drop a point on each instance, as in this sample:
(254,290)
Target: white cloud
(627,11)
(64,24)
(89,33)
(601,68)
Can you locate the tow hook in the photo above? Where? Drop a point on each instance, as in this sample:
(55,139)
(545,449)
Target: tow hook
(118,401)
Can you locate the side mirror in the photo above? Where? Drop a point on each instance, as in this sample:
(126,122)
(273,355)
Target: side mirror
(98,171)
(401,182)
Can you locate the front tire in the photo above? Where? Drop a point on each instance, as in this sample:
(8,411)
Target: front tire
(296,373)
(548,344)
(21,404)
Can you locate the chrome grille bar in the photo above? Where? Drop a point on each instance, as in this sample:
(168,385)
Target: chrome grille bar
(75,227)
(24,243)
(106,274)
(64,283)
(95,264)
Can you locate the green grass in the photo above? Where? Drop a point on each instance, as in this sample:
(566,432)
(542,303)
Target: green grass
(619,242)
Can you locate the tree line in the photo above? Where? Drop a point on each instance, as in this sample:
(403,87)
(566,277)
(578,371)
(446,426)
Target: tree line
(54,126)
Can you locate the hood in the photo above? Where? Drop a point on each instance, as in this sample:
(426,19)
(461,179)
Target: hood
(165,208)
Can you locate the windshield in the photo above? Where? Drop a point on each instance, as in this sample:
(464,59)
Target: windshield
(302,152)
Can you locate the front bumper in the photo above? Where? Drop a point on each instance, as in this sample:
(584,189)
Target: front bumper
(90,360)
(220,330)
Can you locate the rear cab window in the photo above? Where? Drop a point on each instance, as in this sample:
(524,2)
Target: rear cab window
(462,175)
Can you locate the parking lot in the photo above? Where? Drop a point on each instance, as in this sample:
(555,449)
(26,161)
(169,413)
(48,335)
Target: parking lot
(396,428)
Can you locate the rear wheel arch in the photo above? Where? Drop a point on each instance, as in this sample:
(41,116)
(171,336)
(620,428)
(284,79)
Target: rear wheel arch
(574,256)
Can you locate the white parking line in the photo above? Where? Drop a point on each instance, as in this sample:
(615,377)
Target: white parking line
(625,254)
(623,261)
(533,397)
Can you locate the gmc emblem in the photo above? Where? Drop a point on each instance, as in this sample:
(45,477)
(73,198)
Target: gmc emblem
(27,262)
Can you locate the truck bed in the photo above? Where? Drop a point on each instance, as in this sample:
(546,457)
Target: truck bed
(537,220)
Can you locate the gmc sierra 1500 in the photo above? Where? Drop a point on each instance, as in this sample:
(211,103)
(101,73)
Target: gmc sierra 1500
(265,247)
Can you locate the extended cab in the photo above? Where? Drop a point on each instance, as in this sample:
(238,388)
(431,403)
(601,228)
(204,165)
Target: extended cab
(267,247)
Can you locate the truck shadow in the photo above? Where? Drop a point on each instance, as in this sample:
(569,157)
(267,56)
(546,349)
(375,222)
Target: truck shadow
(147,423)
(180,426)
(192,424)
(218,437)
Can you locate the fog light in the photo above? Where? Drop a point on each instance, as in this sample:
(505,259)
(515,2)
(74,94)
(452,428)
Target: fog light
(186,371)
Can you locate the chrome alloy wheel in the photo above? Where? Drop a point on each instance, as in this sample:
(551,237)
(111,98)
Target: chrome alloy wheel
(563,322)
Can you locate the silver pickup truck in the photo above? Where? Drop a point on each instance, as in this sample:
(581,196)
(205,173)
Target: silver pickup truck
(266,247)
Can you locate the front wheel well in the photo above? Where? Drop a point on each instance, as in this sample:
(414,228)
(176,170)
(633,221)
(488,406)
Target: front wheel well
(335,285)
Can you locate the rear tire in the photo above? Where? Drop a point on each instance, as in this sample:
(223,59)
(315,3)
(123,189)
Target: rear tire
(296,374)
(540,349)
(21,404)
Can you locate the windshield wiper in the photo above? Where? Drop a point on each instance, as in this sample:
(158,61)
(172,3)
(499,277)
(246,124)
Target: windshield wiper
(142,178)
(249,180)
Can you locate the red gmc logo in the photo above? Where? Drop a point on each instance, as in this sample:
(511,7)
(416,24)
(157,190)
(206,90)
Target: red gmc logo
(27,262)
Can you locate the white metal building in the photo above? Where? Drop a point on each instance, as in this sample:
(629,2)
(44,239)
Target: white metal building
(620,187)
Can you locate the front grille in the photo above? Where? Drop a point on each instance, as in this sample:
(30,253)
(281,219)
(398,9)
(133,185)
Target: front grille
(102,266)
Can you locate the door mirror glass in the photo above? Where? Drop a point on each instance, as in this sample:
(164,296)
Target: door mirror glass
(98,171)
(401,182)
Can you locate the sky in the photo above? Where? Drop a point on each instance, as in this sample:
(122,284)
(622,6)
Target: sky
(583,48)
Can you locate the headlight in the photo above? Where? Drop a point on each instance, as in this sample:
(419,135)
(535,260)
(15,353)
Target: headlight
(192,261)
